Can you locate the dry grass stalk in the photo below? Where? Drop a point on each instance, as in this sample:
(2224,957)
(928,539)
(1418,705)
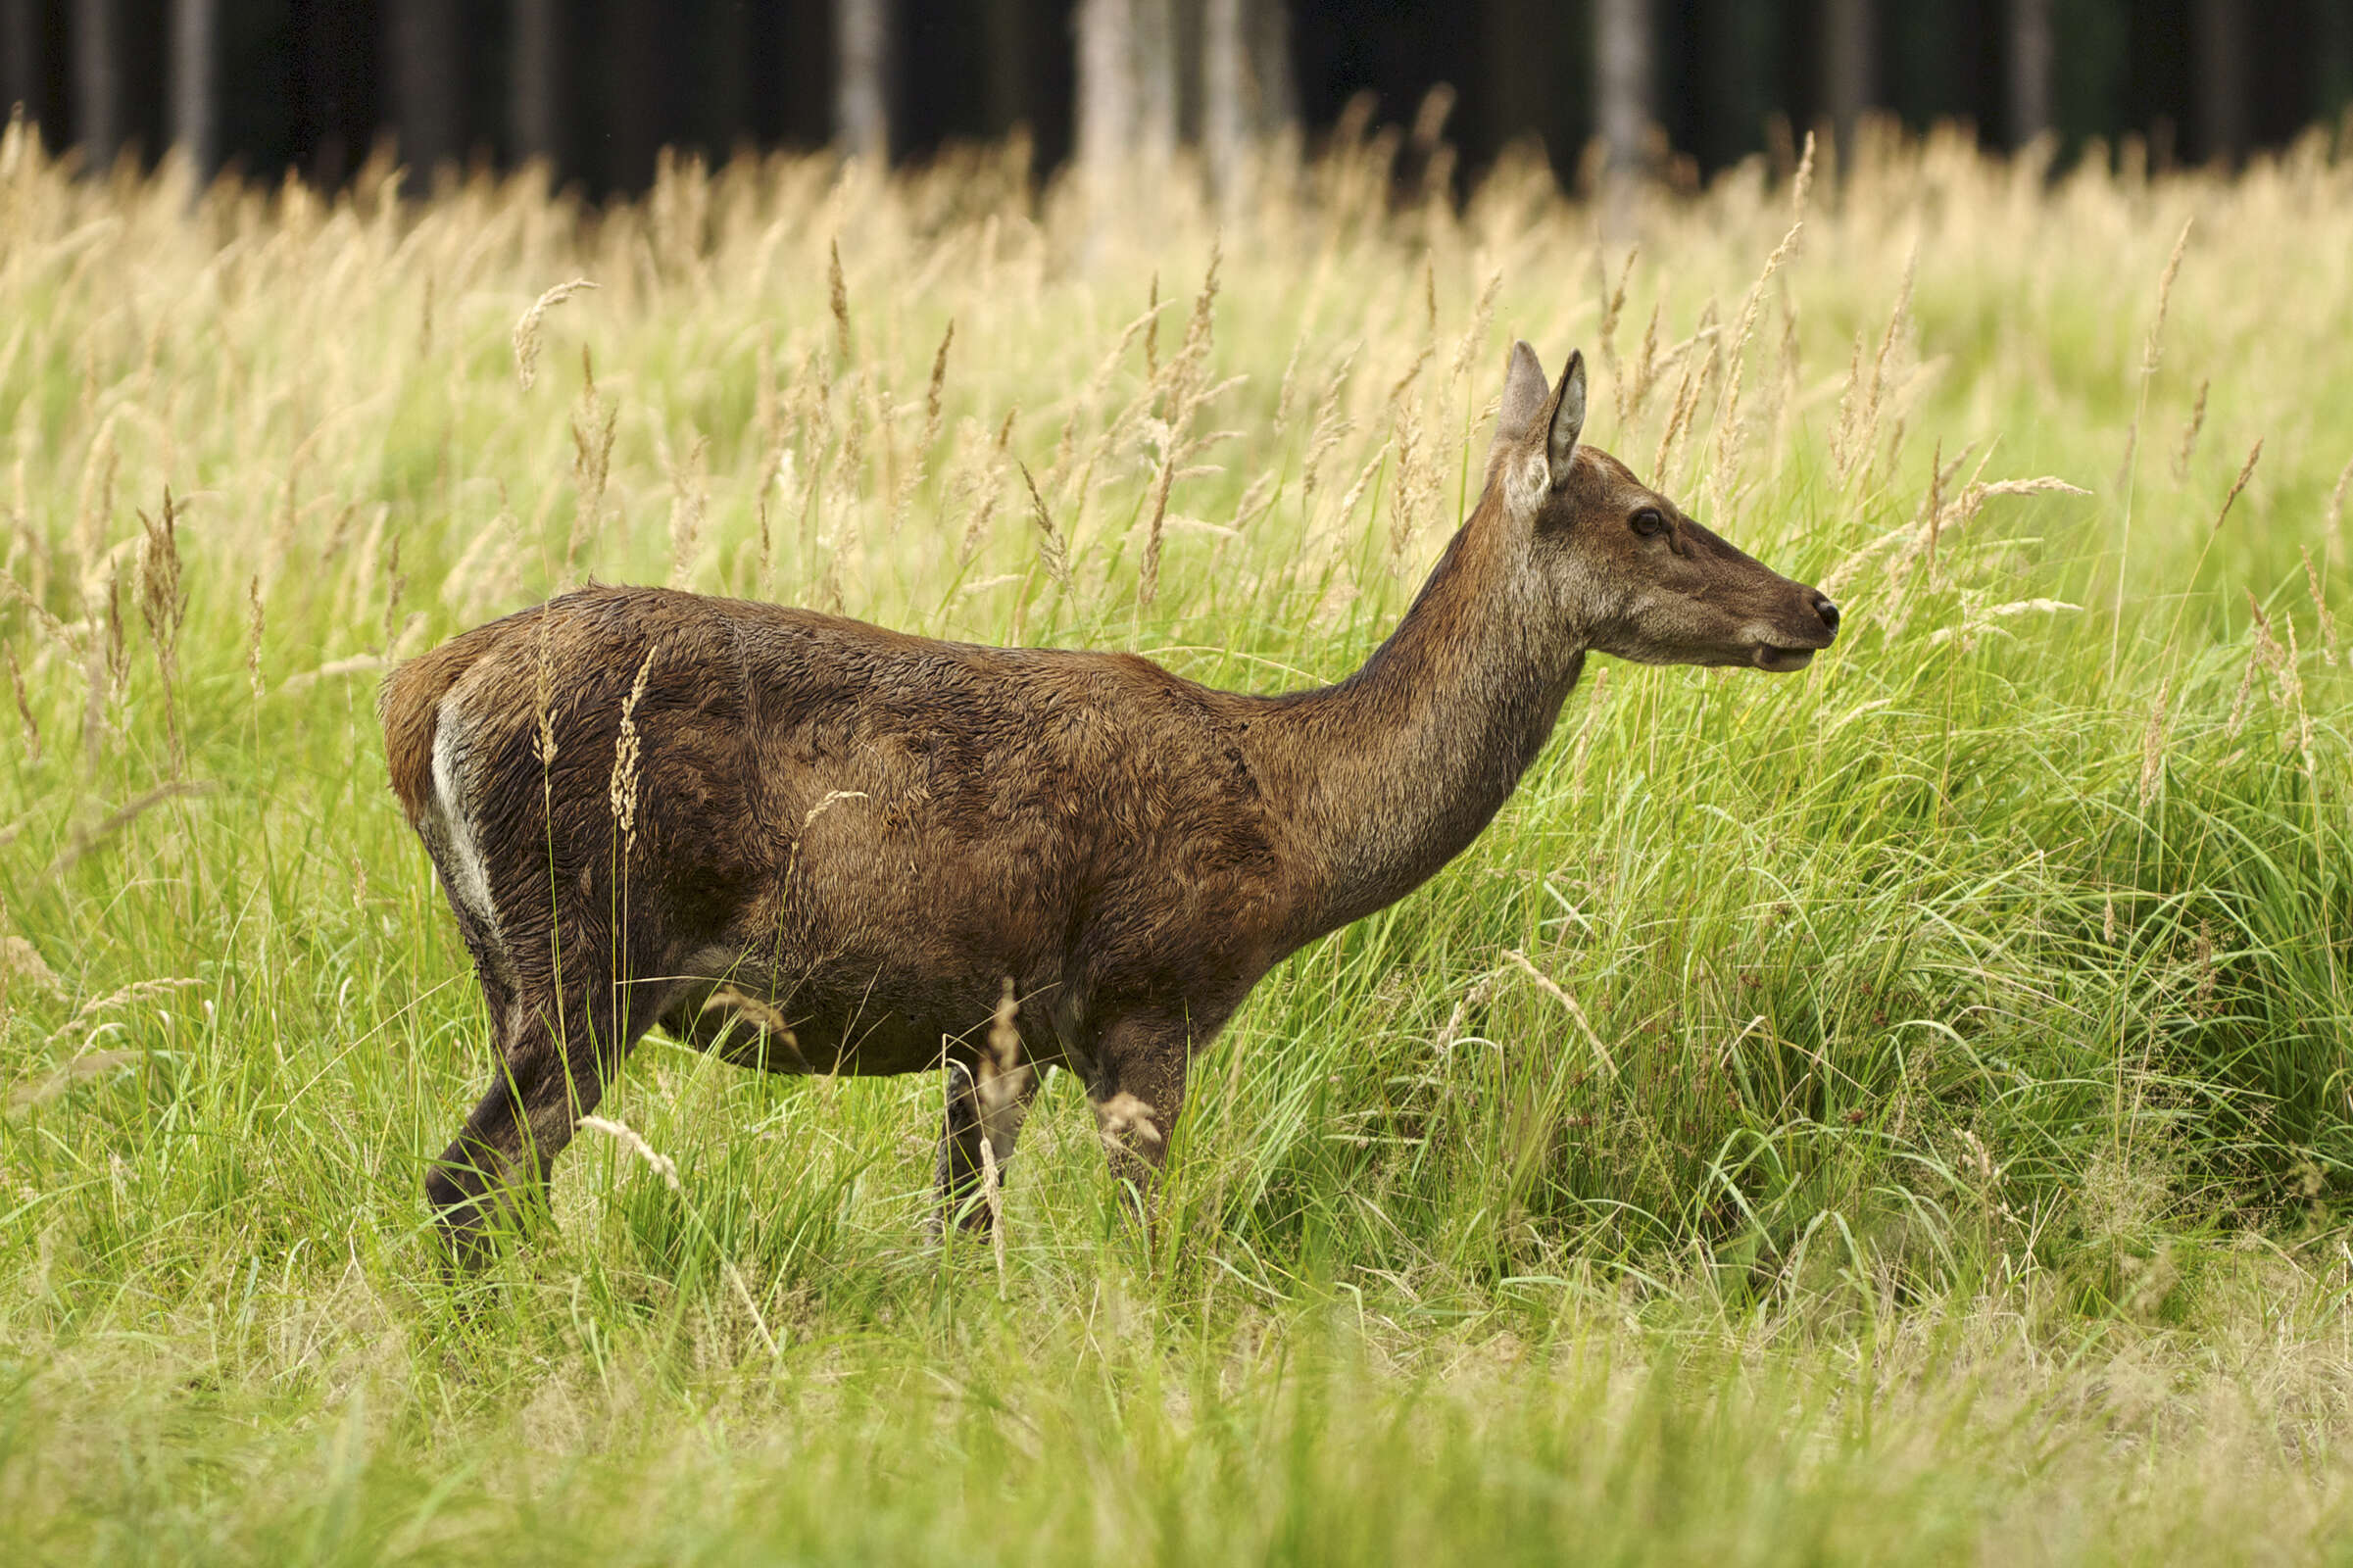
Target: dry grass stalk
(54,628)
(164,606)
(82,843)
(1151,330)
(94,507)
(837,291)
(252,636)
(2189,431)
(2337,511)
(2152,757)
(1002,1081)
(1596,700)
(1050,543)
(527,328)
(1729,429)
(1613,306)
(689,495)
(82,1070)
(1552,989)
(987,488)
(594,422)
(16,683)
(543,692)
(911,480)
(1474,336)
(623,790)
(2246,471)
(2291,695)
(395,585)
(2319,607)
(771,1024)
(1858,423)
(2152,352)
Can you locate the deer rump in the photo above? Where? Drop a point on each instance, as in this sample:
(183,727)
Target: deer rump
(863,833)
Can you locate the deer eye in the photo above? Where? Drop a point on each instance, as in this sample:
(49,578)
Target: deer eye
(1650,522)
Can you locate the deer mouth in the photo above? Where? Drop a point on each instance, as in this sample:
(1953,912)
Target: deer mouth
(1778,660)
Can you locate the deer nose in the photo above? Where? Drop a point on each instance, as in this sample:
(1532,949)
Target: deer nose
(1829,613)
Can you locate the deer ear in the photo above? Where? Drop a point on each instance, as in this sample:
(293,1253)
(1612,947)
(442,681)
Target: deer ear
(1568,417)
(1523,405)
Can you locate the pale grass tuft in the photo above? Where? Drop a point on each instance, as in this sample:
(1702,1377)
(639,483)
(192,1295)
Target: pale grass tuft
(527,328)
(627,1137)
(129,996)
(1979,622)
(21,960)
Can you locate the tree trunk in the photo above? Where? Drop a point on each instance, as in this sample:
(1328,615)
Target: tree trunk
(862,105)
(24,81)
(2029,63)
(2219,50)
(1225,95)
(428,101)
(1106,112)
(1622,90)
(535,83)
(639,65)
(1158,53)
(1849,67)
(1275,101)
(98,107)
(1005,35)
(196,83)
(1517,34)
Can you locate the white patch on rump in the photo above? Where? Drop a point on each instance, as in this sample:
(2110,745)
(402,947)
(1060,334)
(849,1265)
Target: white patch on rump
(458,852)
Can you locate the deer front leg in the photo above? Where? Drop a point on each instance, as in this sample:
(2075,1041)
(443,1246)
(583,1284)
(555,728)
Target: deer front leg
(986,1105)
(1137,1092)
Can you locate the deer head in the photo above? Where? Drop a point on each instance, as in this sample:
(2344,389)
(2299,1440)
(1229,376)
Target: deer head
(1622,565)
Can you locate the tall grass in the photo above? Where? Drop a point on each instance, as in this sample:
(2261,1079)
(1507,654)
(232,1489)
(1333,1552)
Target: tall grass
(1896,1110)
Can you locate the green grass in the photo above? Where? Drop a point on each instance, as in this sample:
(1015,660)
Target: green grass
(1954,1165)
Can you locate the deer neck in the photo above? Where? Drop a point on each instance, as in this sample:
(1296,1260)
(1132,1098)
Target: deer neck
(1393,771)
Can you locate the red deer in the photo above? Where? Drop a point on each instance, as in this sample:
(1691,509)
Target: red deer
(811,844)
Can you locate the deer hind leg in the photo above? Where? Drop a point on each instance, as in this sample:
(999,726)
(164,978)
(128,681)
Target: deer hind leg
(555,1062)
(986,1103)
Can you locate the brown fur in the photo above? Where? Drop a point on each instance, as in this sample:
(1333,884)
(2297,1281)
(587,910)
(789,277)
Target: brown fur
(867,833)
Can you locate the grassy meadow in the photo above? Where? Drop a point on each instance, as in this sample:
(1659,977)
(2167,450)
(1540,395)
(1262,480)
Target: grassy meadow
(1902,1111)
